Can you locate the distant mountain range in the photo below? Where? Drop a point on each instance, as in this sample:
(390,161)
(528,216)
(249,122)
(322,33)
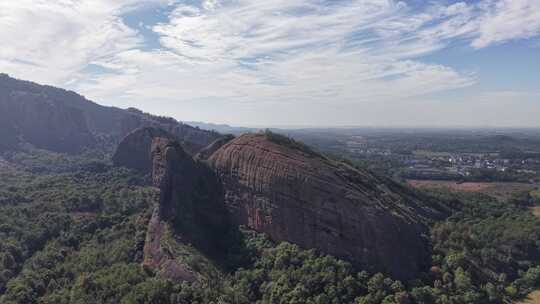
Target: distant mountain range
(63,121)
(221,128)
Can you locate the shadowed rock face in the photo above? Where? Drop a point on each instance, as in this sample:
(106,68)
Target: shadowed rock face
(301,197)
(191,195)
(134,151)
(205,153)
(191,207)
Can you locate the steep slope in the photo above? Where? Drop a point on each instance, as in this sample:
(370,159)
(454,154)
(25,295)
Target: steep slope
(135,150)
(277,186)
(63,121)
(191,195)
(40,120)
(191,218)
(206,152)
(8,134)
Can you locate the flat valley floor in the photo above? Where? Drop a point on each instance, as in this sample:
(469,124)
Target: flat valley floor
(499,190)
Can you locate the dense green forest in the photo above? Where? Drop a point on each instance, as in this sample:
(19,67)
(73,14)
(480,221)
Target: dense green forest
(72,230)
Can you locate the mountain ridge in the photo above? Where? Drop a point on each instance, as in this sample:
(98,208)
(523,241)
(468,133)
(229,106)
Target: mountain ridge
(297,195)
(64,121)
(275,185)
(267,182)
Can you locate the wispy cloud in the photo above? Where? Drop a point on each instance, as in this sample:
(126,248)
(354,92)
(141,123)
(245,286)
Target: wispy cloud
(304,52)
(50,41)
(508,20)
(301,51)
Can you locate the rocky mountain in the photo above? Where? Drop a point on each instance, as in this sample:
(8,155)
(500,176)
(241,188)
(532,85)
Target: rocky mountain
(135,150)
(275,185)
(191,195)
(282,188)
(191,212)
(205,153)
(63,121)
(191,217)
(267,182)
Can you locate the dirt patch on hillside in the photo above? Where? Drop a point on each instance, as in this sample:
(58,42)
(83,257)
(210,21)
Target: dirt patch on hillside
(536,211)
(79,216)
(533,298)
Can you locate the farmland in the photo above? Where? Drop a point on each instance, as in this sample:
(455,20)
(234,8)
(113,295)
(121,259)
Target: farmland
(499,190)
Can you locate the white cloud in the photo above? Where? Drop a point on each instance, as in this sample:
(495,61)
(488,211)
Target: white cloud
(251,53)
(50,41)
(308,51)
(508,20)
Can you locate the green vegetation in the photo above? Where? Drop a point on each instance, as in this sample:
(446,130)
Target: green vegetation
(434,154)
(494,245)
(76,236)
(536,194)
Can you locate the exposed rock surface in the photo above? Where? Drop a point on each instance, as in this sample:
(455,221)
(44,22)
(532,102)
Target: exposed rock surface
(63,121)
(205,153)
(135,150)
(191,195)
(295,195)
(191,209)
(158,258)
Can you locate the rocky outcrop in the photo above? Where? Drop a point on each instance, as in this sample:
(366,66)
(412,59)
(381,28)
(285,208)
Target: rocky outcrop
(205,153)
(135,150)
(191,195)
(281,188)
(158,258)
(63,121)
(191,210)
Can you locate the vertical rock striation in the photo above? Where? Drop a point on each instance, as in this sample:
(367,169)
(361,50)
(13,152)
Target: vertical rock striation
(296,195)
(135,149)
(191,195)
(191,211)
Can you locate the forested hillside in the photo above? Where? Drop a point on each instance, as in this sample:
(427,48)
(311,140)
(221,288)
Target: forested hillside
(77,236)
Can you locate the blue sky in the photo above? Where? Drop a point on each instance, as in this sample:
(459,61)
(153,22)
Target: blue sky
(287,62)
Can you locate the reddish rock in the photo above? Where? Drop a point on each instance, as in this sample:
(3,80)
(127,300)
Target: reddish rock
(295,195)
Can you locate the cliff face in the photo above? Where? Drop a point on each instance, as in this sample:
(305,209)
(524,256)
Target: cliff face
(63,121)
(281,188)
(206,152)
(135,150)
(295,195)
(191,195)
(191,211)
